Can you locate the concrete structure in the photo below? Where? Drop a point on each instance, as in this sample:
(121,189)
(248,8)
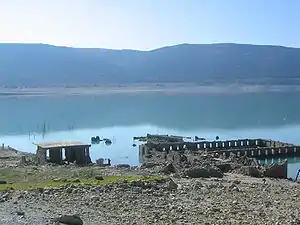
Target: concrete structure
(277,170)
(217,145)
(250,147)
(52,152)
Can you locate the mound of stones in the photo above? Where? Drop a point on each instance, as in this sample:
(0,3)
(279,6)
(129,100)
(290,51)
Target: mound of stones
(208,165)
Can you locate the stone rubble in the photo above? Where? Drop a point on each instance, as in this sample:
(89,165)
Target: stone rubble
(197,189)
(233,199)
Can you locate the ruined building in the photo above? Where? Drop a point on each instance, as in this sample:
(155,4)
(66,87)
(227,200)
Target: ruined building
(63,152)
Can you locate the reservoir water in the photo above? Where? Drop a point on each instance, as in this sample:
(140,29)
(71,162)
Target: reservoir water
(24,120)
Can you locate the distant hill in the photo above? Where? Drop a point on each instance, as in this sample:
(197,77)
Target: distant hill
(45,65)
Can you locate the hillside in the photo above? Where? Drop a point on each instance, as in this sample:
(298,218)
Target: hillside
(44,65)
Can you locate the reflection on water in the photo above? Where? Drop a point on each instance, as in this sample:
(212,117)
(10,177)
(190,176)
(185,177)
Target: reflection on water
(178,112)
(120,117)
(269,161)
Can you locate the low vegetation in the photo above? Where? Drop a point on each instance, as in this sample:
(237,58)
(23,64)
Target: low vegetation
(33,178)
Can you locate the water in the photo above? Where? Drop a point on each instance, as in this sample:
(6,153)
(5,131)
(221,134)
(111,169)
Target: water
(120,117)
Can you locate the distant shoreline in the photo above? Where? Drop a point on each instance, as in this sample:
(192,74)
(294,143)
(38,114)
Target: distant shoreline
(138,89)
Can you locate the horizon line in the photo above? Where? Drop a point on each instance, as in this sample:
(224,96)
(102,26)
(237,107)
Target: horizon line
(149,50)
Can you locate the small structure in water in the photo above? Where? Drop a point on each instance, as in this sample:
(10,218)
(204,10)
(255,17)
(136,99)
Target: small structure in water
(161,138)
(75,152)
(107,141)
(95,140)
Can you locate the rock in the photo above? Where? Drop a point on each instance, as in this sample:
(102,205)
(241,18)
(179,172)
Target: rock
(233,187)
(98,177)
(40,190)
(250,171)
(197,185)
(236,182)
(175,175)
(148,165)
(3,182)
(224,167)
(168,169)
(205,172)
(5,195)
(172,185)
(69,190)
(56,179)
(70,220)
(149,156)
(123,166)
(277,170)
(47,191)
(95,198)
(138,183)
(20,213)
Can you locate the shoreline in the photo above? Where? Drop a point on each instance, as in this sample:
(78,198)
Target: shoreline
(137,89)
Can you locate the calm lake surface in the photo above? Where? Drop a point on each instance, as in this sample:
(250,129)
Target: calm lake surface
(120,117)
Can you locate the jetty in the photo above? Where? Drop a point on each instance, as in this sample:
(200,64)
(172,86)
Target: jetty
(256,148)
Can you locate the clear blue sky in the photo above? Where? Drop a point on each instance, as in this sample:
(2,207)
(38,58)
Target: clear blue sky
(149,24)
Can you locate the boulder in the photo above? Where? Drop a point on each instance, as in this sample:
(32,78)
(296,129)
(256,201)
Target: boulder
(277,170)
(205,172)
(224,167)
(169,169)
(123,166)
(148,165)
(99,177)
(172,185)
(70,220)
(251,171)
(20,213)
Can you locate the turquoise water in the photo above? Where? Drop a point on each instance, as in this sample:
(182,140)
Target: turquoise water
(120,117)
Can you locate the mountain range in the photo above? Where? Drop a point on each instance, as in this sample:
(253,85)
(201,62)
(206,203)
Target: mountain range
(40,65)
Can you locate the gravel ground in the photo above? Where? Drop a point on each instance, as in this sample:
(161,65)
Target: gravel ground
(233,199)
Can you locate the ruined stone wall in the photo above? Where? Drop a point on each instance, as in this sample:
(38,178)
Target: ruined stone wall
(255,151)
(41,155)
(195,146)
(277,144)
(277,171)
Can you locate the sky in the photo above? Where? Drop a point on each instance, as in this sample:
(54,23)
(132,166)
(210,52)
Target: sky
(149,24)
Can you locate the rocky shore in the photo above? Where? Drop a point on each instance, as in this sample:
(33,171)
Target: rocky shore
(153,193)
